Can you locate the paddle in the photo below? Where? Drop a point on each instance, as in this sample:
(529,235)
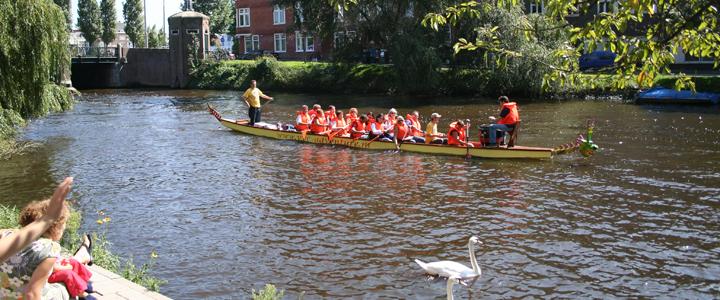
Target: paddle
(467,145)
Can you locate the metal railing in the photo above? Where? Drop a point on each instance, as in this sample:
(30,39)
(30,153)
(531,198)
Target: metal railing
(78,51)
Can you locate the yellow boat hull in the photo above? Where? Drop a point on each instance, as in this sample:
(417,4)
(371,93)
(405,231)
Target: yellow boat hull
(501,152)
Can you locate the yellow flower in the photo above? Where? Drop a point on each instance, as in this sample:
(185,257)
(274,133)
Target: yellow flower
(107,219)
(100,221)
(153,254)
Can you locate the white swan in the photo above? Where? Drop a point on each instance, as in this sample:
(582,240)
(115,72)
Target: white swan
(450,283)
(450,269)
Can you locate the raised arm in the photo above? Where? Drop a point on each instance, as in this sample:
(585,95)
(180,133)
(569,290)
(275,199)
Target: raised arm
(22,238)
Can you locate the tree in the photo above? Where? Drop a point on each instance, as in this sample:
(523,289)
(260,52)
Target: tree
(33,55)
(221,13)
(109,21)
(65,6)
(134,25)
(89,20)
(156,38)
(643,33)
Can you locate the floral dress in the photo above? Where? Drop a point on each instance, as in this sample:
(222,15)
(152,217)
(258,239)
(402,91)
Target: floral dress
(16,272)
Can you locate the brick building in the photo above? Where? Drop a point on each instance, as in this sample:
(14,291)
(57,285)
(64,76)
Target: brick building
(266,28)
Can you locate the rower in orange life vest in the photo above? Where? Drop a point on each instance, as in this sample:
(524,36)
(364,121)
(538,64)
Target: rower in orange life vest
(339,124)
(302,122)
(509,117)
(401,133)
(330,116)
(351,116)
(319,123)
(314,111)
(413,120)
(358,128)
(456,134)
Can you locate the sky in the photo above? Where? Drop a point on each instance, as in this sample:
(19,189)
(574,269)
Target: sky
(154,10)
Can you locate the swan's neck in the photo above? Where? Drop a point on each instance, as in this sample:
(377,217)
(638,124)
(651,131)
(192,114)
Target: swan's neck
(473,260)
(450,283)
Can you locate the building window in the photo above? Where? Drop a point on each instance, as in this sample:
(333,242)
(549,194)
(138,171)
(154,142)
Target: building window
(537,7)
(604,6)
(243,17)
(280,42)
(278,15)
(192,31)
(252,43)
(304,43)
(174,32)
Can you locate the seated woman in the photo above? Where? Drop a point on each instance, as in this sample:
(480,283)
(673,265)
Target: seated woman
(302,122)
(379,130)
(30,269)
(401,133)
(340,125)
(456,135)
(319,123)
(357,128)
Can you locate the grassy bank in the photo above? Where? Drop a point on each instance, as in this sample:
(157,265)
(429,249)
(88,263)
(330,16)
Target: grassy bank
(102,256)
(308,77)
(324,77)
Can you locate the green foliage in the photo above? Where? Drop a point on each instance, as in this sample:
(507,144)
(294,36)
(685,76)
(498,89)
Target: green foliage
(89,20)
(269,292)
(221,13)
(156,37)
(134,25)
(33,55)
(236,46)
(107,13)
(65,6)
(416,62)
(702,83)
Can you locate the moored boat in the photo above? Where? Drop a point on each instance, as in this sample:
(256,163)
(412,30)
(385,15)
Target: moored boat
(661,95)
(500,152)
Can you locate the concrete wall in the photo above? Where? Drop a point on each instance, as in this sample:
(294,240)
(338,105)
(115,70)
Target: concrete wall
(146,67)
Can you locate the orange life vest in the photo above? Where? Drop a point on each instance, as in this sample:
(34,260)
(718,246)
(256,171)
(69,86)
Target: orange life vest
(512,117)
(402,131)
(312,113)
(461,134)
(304,118)
(357,126)
(330,116)
(350,118)
(318,125)
(416,130)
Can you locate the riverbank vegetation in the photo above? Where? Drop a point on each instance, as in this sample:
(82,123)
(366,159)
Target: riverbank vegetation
(102,256)
(33,59)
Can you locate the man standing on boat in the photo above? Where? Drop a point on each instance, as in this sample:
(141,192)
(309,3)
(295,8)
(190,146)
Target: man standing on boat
(252,98)
(509,117)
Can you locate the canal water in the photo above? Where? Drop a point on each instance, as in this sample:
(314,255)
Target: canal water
(228,213)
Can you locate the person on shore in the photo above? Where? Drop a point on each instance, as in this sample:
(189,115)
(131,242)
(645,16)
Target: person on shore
(509,117)
(302,122)
(30,269)
(357,128)
(432,135)
(457,134)
(11,245)
(319,123)
(252,98)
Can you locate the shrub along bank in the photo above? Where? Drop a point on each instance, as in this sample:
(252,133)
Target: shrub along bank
(294,76)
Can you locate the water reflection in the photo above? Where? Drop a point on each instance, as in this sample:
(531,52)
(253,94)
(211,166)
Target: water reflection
(637,220)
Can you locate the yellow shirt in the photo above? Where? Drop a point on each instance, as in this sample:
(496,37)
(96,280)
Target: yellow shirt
(431,129)
(252,95)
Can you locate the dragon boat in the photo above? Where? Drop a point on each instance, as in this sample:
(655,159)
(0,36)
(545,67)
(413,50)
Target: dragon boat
(586,147)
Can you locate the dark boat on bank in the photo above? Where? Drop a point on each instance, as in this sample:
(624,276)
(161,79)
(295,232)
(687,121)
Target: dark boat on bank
(661,95)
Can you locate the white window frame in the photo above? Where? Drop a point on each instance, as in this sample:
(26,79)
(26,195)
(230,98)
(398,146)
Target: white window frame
(533,9)
(278,15)
(304,42)
(242,14)
(280,39)
(253,40)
